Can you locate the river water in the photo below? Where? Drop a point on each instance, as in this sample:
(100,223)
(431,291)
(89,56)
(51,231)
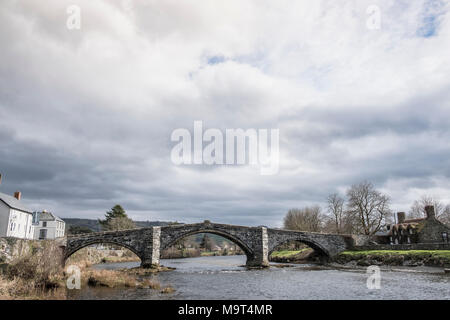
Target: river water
(225,278)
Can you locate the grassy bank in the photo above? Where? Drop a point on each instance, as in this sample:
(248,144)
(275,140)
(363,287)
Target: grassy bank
(292,256)
(121,278)
(125,278)
(434,258)
(193,253)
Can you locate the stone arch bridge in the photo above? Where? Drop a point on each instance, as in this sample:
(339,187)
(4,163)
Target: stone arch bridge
(257,242)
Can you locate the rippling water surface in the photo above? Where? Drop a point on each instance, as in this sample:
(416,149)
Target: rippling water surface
(224,278)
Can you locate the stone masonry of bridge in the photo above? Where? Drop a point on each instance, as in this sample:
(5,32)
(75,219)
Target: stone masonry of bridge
(257,242)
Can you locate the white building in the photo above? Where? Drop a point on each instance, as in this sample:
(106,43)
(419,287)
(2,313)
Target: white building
(47,226)
(15,218)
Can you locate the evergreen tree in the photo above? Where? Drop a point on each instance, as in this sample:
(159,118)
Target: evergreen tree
(206,243)
(116,219)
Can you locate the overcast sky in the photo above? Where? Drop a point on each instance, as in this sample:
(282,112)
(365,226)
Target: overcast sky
(86,115)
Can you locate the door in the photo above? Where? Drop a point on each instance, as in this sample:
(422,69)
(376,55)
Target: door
(42,234)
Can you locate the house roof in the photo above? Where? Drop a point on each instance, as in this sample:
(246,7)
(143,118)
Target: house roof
(13,203)
(48,216)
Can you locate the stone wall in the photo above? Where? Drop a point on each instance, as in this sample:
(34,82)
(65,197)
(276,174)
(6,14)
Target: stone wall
(431,231)
(412,246)
(12,249)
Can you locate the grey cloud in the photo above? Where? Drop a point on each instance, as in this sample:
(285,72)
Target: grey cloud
(83,130)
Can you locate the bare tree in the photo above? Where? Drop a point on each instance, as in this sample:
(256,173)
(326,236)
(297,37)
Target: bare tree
(305,219)
(335,204)
(368,207)
(442,211)
(444,217)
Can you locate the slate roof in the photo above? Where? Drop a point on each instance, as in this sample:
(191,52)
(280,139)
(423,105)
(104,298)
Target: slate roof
(13,203)
(48,216)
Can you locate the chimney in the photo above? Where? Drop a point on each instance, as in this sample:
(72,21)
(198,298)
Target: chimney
(18,195)
(401,217)
(430,212)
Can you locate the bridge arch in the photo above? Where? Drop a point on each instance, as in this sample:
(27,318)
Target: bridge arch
(318,248)
(85,244)
(248,251)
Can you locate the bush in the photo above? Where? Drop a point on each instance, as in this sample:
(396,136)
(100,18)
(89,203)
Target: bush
(36,274)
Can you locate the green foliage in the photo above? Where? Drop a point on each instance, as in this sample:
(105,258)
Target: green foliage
(287,253)
(411,253)
(116,212)
(116,219)
(78,230)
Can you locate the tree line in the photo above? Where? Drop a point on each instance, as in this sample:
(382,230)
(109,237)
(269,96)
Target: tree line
(362,210)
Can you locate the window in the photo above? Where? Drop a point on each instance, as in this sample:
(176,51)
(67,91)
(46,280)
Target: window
(445,236)
(35,217)
(44,223)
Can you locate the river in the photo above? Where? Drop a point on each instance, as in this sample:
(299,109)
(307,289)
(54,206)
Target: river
(225,278)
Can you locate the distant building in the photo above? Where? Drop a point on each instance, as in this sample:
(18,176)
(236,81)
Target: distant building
(422,230)
(47,226)
(15,218)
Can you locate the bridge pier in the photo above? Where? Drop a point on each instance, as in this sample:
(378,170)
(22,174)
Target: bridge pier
(260,257)
(151,253)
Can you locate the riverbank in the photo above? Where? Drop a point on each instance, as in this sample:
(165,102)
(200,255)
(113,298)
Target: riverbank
(34,275)
(37,276)
(193,253)
(125,278)
(53,286)
(304,255)
(410,258)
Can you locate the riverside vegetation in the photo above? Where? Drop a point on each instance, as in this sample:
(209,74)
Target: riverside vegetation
(412,258)
(430,258)
(38,276)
